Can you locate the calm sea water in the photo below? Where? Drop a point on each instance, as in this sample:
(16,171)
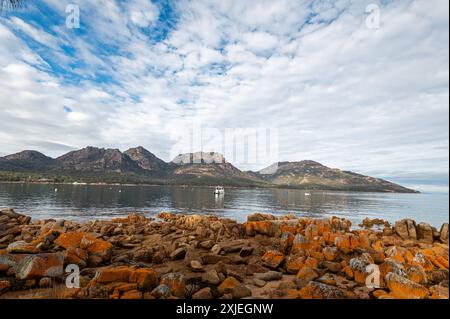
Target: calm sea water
(85,202)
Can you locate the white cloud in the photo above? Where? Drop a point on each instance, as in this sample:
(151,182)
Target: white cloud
(143,13)
(374,101)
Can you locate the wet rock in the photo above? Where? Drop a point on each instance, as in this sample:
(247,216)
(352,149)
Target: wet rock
(268,276)
(403,288)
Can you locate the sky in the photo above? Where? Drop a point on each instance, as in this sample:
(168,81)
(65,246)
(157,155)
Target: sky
(357,85)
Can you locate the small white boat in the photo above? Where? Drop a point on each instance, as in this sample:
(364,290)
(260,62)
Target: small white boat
(307,194)
(219,190)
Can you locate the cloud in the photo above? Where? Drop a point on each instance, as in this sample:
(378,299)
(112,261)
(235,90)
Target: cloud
(139,72)
(143,13)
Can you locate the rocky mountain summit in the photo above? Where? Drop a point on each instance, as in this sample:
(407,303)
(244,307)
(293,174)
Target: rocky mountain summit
(96,159)
(146,160)
(207,257)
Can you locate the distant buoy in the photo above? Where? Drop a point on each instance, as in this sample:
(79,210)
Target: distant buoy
(56,190)
(120,191)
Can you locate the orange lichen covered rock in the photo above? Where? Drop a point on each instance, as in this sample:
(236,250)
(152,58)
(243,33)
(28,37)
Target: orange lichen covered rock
(306,274)
(439,292)
(145,278)
(40,265)
(347,243)
(330,253)
(273,259)
(94,246)
(422,261)
(438,260)
(316,290)
(403,288)
(118,274)
(301,243)
(286,240)
(132,294)
(228,285)
(294,263)
(176,284)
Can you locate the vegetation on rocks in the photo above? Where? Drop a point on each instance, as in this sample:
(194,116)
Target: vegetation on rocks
(206,257)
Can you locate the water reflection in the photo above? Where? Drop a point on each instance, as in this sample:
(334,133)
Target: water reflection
(88,201)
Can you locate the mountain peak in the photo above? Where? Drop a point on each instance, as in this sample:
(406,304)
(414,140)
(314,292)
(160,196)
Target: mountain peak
(145,159)
(26,160)
(96,159)
(199,158)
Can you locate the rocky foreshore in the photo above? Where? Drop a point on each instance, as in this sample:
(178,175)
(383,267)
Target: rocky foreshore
(206,257)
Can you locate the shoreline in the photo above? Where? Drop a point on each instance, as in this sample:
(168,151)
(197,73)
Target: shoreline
(274,187)
(281,187)
(207,257)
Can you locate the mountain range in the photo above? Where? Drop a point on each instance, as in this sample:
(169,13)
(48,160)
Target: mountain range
(138,165)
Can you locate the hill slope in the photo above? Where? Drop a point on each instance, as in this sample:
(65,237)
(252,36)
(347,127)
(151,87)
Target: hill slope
(313,175)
